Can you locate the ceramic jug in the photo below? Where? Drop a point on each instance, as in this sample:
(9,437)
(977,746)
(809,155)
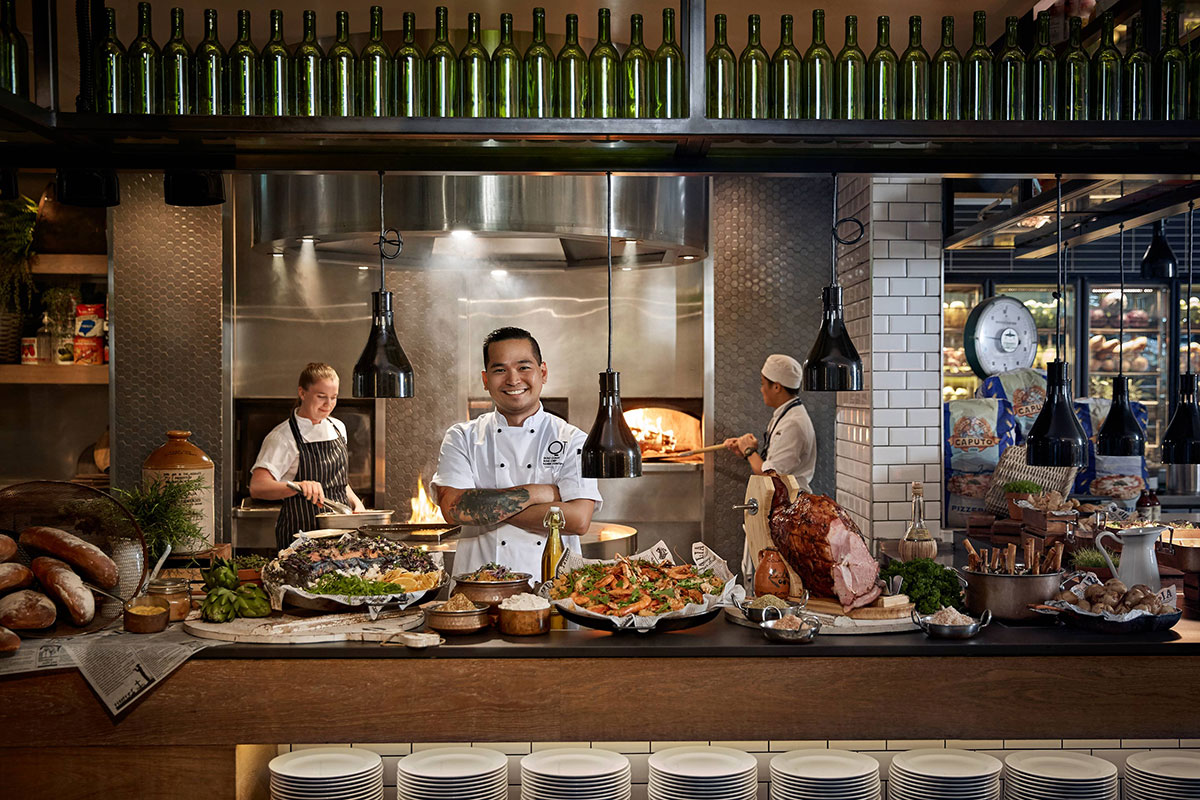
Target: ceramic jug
(1138,562)
(771,576)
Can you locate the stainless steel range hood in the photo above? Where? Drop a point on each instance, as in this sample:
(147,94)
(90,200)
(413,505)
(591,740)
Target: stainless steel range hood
(495,221)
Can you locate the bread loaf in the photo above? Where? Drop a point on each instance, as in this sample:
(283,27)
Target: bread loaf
(8,548)
(9,641)
(90,560)
(14,576)
(61,583)
(27,609)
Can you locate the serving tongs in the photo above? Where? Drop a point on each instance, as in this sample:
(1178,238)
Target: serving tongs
(334,505)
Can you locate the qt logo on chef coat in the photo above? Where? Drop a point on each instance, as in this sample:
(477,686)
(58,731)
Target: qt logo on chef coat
(555,452)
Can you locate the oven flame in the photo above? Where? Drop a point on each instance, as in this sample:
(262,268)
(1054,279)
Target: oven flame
(423,507)
(650,433)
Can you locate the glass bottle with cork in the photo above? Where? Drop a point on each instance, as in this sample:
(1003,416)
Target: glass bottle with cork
(552,554)
(918,542)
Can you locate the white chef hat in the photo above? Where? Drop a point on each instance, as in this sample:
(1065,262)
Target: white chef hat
(783,370)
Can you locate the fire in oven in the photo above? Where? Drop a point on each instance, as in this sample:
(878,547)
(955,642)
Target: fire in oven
(666,427)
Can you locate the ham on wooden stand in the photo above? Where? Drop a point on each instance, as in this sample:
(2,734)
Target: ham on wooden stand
(819,540)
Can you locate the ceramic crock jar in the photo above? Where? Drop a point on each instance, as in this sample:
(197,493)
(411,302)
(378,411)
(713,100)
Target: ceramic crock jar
(771,575)
(180,460)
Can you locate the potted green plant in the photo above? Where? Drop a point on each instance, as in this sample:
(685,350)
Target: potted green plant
(249,568)
(1089,559)
(1019,490)
(17,218)
(163,511)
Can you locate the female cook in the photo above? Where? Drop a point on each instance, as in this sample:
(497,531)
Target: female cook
(309,449)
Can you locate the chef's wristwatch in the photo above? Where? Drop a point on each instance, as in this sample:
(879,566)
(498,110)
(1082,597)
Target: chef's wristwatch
(747,453)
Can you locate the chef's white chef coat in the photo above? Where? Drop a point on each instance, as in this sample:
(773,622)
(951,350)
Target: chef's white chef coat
(793,445)
(279,454)
(488,453)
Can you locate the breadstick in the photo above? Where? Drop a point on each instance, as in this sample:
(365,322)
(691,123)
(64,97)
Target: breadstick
(972,562)
(1048,561)
(970,548)
(996,554)
(1010,559)
(1028,544)
(1058,554)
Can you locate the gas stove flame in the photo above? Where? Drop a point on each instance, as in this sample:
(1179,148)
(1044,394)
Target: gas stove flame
(423,507)
(650,433)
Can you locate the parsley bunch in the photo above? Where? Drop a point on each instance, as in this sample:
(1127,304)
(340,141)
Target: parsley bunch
(927,583)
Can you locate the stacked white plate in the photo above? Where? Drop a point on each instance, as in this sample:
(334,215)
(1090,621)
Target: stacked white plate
(327,773)
(824,775)
(453,773)
(575,773)
(1163,775)
(702,773)
(944,774)
(1058,775)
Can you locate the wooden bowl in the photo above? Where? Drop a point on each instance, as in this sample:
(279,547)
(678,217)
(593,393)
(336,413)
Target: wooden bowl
(524,623)
(455,622)
(147,623)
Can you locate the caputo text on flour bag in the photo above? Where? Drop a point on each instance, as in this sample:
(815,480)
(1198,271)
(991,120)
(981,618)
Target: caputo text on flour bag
(977,431)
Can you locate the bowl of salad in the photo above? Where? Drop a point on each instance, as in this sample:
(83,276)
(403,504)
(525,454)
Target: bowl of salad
(491,583)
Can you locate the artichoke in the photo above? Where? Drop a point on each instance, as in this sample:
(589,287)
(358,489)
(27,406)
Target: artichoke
(219,606)
(252,601)
(221,575)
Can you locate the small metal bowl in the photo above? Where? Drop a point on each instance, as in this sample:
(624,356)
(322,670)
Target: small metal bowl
(453,622)
(758,614)
(811,627)
(492,592)
(952,631)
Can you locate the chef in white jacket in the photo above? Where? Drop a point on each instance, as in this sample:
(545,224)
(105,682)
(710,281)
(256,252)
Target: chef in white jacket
(499,474)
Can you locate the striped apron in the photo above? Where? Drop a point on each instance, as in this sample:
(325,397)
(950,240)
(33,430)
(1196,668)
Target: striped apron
(324,462)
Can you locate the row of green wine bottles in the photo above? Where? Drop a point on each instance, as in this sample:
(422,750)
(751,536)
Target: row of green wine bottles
(1009,84)
(305,80)
(14,52)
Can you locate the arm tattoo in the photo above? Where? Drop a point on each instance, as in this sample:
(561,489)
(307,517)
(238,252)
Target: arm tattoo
(489,506)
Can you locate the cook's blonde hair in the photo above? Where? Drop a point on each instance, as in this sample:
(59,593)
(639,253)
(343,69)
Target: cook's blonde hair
(317,371)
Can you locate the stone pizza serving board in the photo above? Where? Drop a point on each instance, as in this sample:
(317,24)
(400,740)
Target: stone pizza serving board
(289,629)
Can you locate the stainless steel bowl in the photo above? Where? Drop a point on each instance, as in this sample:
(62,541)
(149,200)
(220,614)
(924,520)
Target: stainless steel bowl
(492,592)
(809,630)
(1008,597)
(951,631)
(452,622)
(758,614)
(329,519)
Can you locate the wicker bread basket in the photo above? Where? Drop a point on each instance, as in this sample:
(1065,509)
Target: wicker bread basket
(1012,467)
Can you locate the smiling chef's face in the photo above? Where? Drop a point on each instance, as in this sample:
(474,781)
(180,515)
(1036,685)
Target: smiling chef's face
(514,377)
(318,401)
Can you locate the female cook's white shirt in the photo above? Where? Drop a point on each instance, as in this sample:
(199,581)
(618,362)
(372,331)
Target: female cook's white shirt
(488,453)
(279,454)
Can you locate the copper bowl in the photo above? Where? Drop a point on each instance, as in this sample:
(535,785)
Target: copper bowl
(522,622)
(492,592)
(147,622)
(454,622)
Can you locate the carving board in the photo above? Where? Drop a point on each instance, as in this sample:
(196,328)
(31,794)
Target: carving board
(832,608)
(290,629)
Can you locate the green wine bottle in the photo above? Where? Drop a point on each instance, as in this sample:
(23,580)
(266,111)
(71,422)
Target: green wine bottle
(850,71)
(473,63)
(947,76)
(112,88)
(506,73)
(242,70)
(668,73)
(1193,81)
(178,70)
(1010,75)
(539,71)
(275,71)
(145,84)
(977,75)
(914,75)
(341,71)
(753,72)
(376,93)
(1139,68)
(1172,72)
(1043,74)
(6,51)
(571,74)
(1107,69)
(308,72)
(787,84)
(635,73)
(604,72)
(882,69)
(818,72)
(210,69)
(722,75)
(441,67)
(1076,75)
(16,52)
(409,68)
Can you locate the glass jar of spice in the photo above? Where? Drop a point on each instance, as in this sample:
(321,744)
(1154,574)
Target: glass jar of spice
(175,591)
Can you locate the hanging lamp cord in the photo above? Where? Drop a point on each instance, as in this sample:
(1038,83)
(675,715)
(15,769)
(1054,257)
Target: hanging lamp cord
(1188,303)
(833,276)
(608,215)
(1121,310)
(390,242)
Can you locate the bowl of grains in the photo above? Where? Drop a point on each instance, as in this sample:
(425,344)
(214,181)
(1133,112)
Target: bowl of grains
(459,614)
(949,623)
(756,609)
(791,628)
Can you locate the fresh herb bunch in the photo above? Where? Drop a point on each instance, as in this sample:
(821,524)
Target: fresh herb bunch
(1092,558)
(162,511)
(250,561)
(927,583)
(1023,487)
(338,583)
(17,218)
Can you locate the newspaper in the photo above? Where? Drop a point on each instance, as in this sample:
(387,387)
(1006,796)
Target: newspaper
(1167,595)
(38,655)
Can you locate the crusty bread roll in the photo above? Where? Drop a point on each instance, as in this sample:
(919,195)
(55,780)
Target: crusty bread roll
(14,576)
(8,547)
(62,584)
(27,609)
(9,641)
(90,559)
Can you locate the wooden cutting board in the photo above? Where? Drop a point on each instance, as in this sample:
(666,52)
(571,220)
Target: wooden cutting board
(288,629)
(824,605)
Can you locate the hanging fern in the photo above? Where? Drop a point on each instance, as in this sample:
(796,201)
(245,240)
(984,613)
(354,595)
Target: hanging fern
(17,218)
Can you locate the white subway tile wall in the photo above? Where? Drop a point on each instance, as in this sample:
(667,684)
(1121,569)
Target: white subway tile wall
(1114,750)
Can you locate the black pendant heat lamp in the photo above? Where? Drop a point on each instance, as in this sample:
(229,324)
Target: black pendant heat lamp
(193,187)
(383,370)
(1121,434)
(833,364)
(1056,438)
(86,187)
(1181,440)
(611,451)
(1159,261)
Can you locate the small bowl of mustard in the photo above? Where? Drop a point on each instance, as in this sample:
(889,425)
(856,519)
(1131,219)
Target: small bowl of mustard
(147,613)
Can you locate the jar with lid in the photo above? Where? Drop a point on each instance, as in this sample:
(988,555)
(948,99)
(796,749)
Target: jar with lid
(180,460)
(175,591)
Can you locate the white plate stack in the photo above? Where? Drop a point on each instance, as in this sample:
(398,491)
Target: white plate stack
(453,773)
(1163,775)
(702,773)
(824,774)
(1058,775)
(944,774)
(575,773)
(327,773)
